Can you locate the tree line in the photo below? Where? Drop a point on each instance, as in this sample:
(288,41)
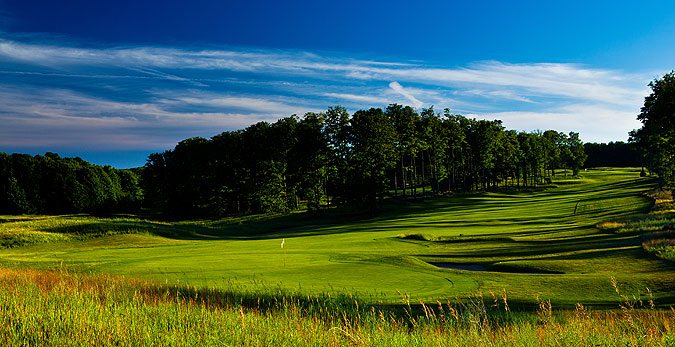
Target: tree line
(49,184)
(613,154)
(329,158)
(334,158)
(656,137)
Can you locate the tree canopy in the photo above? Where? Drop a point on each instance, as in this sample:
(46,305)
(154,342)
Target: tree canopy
(656,138)
(50,184)
(612,154)
(333,158)
(320,159)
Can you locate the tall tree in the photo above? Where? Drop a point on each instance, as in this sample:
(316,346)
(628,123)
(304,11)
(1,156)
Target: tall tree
(434,149)
(403,120)
(576,148)
(657,135)
(373,154)
(336,132)
(552,143)
(310,159)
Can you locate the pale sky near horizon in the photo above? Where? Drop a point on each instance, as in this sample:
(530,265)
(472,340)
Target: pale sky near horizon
(113,82)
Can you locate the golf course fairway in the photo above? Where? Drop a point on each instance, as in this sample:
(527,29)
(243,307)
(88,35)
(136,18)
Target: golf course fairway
(530,244)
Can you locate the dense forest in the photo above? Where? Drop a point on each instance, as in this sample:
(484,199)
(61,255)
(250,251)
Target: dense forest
(337,159)
(50,184)
(613,154)
(330,158)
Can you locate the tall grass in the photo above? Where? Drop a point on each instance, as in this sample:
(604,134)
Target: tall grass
(657,229)
(58,308)
(18,231)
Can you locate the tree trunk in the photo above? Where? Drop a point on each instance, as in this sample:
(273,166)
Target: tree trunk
(518,179)
(464,169)
(464,176)
(453,178)
(403,175)
(423,175)
(438,184)
(414,176)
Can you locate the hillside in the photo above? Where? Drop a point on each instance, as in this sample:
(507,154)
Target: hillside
(538,243)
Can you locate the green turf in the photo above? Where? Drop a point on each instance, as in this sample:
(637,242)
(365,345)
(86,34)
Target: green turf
(551,230)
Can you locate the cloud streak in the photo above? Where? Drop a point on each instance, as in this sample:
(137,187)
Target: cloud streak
(145,97)
(398,88)
(564,80)
(598,123)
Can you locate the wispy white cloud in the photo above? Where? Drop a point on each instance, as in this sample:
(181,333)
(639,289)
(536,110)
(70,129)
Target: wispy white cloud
(594,123)
(245,103)
(373,100)
(563,80)
(168,76)
(560,80)
(206,91)
(38,118)
(494,94)
(398,88)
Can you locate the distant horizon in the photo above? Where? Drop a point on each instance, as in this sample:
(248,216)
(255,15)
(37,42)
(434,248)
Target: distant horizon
(109,82)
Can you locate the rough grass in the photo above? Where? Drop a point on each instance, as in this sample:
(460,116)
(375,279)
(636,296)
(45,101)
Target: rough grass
(662,248)
(17,231)
(657,229)
(56,308)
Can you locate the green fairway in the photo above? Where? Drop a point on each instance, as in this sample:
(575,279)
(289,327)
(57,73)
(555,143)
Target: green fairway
(541,243)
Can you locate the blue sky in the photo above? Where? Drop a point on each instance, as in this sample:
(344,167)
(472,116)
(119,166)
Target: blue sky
(112,82)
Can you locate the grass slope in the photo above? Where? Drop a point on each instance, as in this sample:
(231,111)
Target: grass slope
(335,251)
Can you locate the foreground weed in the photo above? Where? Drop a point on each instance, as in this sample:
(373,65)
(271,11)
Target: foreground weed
(50,308)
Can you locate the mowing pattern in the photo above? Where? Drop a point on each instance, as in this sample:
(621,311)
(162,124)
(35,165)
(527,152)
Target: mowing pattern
(533,244)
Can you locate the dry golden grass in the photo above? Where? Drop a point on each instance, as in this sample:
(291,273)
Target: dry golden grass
(60,308)
(610,225)
(663,200)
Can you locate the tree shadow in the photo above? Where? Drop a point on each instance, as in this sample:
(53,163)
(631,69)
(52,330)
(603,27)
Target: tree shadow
(416,211)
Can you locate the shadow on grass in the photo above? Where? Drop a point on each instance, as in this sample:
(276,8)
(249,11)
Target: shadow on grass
(347,220)
(588,247)
(353,304)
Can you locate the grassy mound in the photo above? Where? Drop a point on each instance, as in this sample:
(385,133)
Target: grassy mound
(17,231)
